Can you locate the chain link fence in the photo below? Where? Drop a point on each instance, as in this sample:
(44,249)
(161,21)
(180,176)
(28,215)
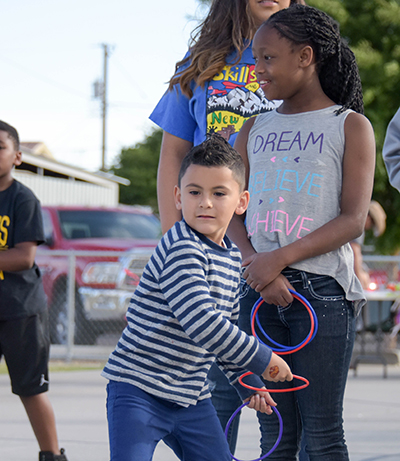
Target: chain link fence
(382,308)
(377,339)
(88,294)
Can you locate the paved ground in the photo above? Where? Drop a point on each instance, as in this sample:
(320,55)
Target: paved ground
(372,419)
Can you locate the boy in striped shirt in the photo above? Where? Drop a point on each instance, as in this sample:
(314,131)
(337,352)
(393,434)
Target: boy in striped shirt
(182,318)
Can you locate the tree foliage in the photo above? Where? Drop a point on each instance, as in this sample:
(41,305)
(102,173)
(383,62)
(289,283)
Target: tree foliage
(139,165)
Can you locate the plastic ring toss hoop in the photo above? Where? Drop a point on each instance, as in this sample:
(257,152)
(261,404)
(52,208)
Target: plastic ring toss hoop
(280,349)
(277,440)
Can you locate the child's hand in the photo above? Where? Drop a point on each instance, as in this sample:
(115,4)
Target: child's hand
(262,269)
(277,292)
(261,401)
(277,370)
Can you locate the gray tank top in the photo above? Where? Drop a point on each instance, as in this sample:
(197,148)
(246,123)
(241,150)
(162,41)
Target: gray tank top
(295,187)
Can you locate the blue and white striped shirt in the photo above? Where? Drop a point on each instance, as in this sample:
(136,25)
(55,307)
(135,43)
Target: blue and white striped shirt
(181,318)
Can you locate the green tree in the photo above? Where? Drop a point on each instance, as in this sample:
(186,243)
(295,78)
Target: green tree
(139,165)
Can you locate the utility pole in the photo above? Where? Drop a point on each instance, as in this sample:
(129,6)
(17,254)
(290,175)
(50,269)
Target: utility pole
(100,92)
(104,108)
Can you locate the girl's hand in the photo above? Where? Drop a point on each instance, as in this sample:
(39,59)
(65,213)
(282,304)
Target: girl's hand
(261,401)
(277,370)
(262,269)
(277,292)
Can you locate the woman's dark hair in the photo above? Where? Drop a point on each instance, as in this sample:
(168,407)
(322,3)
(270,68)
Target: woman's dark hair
(215,152)
(336,64)
(228,27)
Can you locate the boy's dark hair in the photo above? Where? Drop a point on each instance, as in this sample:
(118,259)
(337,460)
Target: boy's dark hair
(12,133)
(215,151)
(336,63)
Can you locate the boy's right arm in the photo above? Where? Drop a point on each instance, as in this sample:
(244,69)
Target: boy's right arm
(277,370)
(19,258)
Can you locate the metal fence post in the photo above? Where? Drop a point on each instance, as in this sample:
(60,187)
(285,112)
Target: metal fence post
(71,305)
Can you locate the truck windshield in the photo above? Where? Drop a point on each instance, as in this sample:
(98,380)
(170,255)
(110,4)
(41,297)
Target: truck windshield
(82,224)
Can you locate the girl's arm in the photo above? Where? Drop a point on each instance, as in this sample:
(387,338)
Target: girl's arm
(173,149)
(358,177)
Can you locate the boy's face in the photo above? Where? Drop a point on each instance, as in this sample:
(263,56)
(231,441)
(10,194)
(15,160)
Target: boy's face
(208,198)
(8,158)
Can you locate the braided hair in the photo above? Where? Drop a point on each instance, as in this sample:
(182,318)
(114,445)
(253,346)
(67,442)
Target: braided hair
(336,64)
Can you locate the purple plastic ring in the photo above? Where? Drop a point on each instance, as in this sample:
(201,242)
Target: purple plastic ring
(277,440)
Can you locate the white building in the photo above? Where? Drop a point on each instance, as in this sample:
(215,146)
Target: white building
(56,183)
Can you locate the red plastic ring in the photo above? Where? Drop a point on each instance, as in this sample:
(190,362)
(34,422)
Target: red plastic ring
(258,389)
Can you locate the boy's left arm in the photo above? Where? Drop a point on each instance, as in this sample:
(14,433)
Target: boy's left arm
(20,257)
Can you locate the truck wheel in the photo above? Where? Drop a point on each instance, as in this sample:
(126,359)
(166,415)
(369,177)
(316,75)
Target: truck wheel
(85,332)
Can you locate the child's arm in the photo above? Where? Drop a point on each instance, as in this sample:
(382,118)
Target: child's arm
(19,258)
(277,370)
(237,229)
(173,149)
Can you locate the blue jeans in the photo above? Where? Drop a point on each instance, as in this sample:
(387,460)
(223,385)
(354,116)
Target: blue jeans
(317,410)
(224,397)
(225,400)
(137,421)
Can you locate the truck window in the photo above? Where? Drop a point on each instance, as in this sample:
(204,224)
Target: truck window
(81,224)
(47,226)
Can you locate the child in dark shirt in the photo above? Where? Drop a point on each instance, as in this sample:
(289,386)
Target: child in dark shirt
(24,336)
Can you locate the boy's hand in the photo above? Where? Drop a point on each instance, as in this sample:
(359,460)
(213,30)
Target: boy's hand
(261,401)
(277,370)
(277,292)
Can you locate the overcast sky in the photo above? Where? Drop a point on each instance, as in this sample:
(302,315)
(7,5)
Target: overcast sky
(51,54)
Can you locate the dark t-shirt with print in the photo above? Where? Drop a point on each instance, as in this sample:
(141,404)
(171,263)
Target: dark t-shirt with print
(21,292)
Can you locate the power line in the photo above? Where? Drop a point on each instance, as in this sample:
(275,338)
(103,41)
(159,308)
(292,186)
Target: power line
(43,78)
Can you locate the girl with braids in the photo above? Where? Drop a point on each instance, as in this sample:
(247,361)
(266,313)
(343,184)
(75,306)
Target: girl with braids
(310,166)
(213,90)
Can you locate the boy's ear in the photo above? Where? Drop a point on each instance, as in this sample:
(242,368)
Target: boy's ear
(306,56)
(243,202)
(18,158)
(177,197)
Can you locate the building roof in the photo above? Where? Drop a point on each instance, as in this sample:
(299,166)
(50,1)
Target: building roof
(37,148)
(50,166)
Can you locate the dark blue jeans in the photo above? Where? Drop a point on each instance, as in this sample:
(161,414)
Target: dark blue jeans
(137,421)
(317,410)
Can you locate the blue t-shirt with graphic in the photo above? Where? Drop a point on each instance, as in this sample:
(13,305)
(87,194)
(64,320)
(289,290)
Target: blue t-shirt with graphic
(221,106)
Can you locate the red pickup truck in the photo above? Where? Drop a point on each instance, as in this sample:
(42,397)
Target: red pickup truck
(101,295)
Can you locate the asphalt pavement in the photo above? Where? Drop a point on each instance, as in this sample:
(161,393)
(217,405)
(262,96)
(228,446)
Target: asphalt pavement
(372,418)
